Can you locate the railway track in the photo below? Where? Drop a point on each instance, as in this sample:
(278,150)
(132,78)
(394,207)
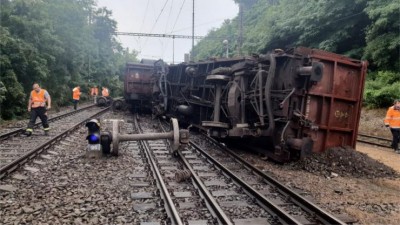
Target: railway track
(16,150)
(6,133)
(374,140)
(244,194)
(183,203)
(219,190)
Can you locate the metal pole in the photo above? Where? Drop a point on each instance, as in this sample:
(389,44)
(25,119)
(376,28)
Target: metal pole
(146,136)
(226,43)
(173,49)
(192,55)
(240,29)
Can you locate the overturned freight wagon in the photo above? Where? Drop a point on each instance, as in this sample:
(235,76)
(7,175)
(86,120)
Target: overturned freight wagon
(283,104)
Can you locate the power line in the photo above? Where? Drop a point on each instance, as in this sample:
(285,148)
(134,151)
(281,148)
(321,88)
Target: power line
(179,13)
(166,27)
(145,14)
(169,15)
(160,35)
(198,25)
(158,17)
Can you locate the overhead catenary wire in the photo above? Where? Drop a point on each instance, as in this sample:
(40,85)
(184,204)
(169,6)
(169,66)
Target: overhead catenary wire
(145,14)
(139,41)
(179,13)
(158,17)
(166,27)
(169,15)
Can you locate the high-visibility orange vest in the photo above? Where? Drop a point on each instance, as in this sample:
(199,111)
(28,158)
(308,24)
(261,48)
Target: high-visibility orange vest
(105,92)
(76,93)
(94,91)
(393,118)
(38,99)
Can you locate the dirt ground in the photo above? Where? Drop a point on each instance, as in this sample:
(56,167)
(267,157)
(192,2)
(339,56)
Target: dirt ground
(372,201)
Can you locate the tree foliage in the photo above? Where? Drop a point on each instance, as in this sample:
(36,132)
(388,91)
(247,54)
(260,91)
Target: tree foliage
(59,44)
(382,90)
(383,34)
(362,29)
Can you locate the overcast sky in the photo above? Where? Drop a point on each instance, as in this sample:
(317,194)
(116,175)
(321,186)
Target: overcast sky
(139,16)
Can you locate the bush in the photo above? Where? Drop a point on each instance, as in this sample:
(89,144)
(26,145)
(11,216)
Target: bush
(381,91)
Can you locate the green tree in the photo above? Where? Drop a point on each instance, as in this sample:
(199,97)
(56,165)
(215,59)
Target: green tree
(383,34)
(59,44)
(366,29)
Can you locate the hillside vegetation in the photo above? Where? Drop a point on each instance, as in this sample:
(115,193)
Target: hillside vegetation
(361,29)
(59,44)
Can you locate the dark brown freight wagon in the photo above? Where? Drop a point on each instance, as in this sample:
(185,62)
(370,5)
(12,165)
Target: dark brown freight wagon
(138,84)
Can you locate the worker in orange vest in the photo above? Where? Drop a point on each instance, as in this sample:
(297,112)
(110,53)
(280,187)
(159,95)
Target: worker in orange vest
(105,92)
(392,120)
(37,108)
(76,94)
(94,92)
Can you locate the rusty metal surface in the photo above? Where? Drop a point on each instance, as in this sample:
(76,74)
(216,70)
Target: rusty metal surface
(138,79)
(335,102)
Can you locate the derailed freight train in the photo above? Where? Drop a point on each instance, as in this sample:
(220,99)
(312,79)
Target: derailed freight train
(283,104)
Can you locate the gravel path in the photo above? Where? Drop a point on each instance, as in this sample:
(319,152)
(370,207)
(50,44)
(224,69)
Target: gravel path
(384,155)
(370,200)
(72,189)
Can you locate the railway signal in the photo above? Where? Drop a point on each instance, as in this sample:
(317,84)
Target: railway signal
(93,136)
(98,142)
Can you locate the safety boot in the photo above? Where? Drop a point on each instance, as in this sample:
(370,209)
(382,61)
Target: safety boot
(27,133)
(46,131)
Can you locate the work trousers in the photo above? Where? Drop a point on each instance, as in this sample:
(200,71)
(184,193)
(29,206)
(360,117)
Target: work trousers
(75,103)
(396,138)
(35,113)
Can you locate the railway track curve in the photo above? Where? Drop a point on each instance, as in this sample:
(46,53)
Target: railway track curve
(16,150)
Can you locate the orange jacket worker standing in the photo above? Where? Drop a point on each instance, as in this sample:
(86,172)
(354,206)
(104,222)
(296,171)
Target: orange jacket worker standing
(76,94)
(392,120)
(105,92)
(94,91)
(37,107)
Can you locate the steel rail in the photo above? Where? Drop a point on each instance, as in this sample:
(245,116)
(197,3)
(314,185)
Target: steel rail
(211,202)
(9,168)
(169,206)
(375,137)
(305,204)
(20,130)
(222,217)
(284,217)
(374,143)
